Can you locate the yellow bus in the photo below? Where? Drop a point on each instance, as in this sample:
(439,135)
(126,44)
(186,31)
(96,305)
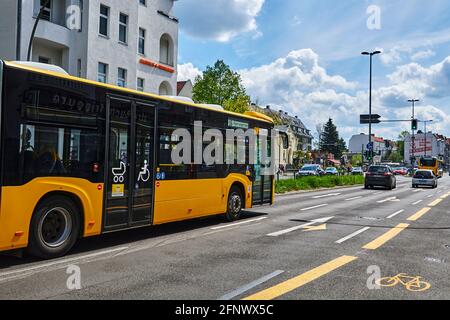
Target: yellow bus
(433,164)
(81,158)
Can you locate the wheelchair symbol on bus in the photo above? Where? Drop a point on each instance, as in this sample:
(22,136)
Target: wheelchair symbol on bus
(144,175)
(119,173)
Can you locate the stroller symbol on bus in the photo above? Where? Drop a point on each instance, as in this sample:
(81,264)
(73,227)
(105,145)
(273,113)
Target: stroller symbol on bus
(144,175)
(119,173)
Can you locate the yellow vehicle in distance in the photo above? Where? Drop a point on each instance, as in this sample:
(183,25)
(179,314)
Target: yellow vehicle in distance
(433,164)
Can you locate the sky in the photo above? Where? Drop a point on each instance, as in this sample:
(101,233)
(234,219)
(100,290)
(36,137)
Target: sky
(304,56)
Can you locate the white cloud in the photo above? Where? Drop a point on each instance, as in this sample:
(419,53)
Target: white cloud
(424,54)
(219,20)
(187,71)
(300,85)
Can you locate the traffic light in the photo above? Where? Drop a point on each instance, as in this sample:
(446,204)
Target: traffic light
(414,124)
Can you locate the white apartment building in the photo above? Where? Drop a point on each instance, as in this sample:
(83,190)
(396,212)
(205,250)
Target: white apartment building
(131,43)
(429,144)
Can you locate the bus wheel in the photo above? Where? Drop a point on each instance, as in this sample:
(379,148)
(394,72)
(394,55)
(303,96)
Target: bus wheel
(235,204)
(54,228)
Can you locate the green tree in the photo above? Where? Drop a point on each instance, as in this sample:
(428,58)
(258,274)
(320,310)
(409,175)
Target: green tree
(330,141)
(221,85)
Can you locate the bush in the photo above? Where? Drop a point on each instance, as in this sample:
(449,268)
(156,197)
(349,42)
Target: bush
(311,183)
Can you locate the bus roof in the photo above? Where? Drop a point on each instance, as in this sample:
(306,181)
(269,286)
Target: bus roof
(249,114)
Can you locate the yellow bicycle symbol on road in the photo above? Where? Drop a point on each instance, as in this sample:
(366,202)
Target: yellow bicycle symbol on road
(415,284)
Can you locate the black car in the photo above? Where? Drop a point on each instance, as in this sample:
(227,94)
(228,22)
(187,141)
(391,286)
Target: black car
(380,176)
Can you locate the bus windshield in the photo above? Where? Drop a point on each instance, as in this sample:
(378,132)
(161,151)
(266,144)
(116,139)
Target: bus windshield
(428,162)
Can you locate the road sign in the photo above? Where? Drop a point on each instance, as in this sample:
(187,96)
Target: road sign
(369,146)
(366,118)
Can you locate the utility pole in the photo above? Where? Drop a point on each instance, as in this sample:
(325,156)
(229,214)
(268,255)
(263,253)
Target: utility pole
(370,54)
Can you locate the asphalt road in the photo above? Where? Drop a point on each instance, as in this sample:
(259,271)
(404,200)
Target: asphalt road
(330,244)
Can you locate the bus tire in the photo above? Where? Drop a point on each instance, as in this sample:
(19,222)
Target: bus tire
(234,205)
(54,228)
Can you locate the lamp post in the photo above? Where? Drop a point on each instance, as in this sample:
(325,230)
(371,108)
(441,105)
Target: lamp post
(413,102)
(39,16)
(370,54)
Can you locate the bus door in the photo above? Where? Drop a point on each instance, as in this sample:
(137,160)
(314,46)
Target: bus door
(262,184)
(130,163)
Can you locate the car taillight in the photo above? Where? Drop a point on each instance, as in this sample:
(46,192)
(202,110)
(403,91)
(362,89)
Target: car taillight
(369,174)
(388,174)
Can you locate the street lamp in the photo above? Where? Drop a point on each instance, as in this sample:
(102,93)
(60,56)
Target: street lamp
(413,101)
(370,54)
(38,18)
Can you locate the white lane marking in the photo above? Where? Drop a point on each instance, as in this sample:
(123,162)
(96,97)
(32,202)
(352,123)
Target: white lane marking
(354,234)
(418,190)
(315,207)
(281,232)
(354,198)
(238,223)
(251,285)
(387,199)
(417,202)
(379,192)
(395,214)
(326,195)
(53,263)
(430,196)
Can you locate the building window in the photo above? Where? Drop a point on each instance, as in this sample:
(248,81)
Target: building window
(47,12)
(166,50)
(44,60)
(122,77)
(123,26)
(143,2)
(141,44)
(104,20)
(140,84)
(102,72)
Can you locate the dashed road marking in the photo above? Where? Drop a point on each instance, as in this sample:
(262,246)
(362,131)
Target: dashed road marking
(251,285)
(303,226)
(417,202)
(238,223)
(326,195)
(354,198)
(378,242)
(299,281)
(395,214)
(419,214)
(435,202)
(315,207)
(354,234)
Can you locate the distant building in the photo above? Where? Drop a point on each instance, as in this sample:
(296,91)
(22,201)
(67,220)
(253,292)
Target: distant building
(133,44)
(381,147)
(184,89)
(429,144)
(300,138)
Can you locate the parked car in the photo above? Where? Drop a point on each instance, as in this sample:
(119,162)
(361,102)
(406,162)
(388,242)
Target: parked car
(400,171)
(357,171)
(311,170)
(380,176)
(331,171)
(424,178)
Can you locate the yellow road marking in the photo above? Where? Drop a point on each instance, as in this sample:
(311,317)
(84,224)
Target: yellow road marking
(435,202)
(301,280)
(378,242)
(316,228)
(419,214)
(445,196)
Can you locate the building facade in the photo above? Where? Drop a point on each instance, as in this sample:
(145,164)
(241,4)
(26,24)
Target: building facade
(429,144)
(132,43)
(358,143)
